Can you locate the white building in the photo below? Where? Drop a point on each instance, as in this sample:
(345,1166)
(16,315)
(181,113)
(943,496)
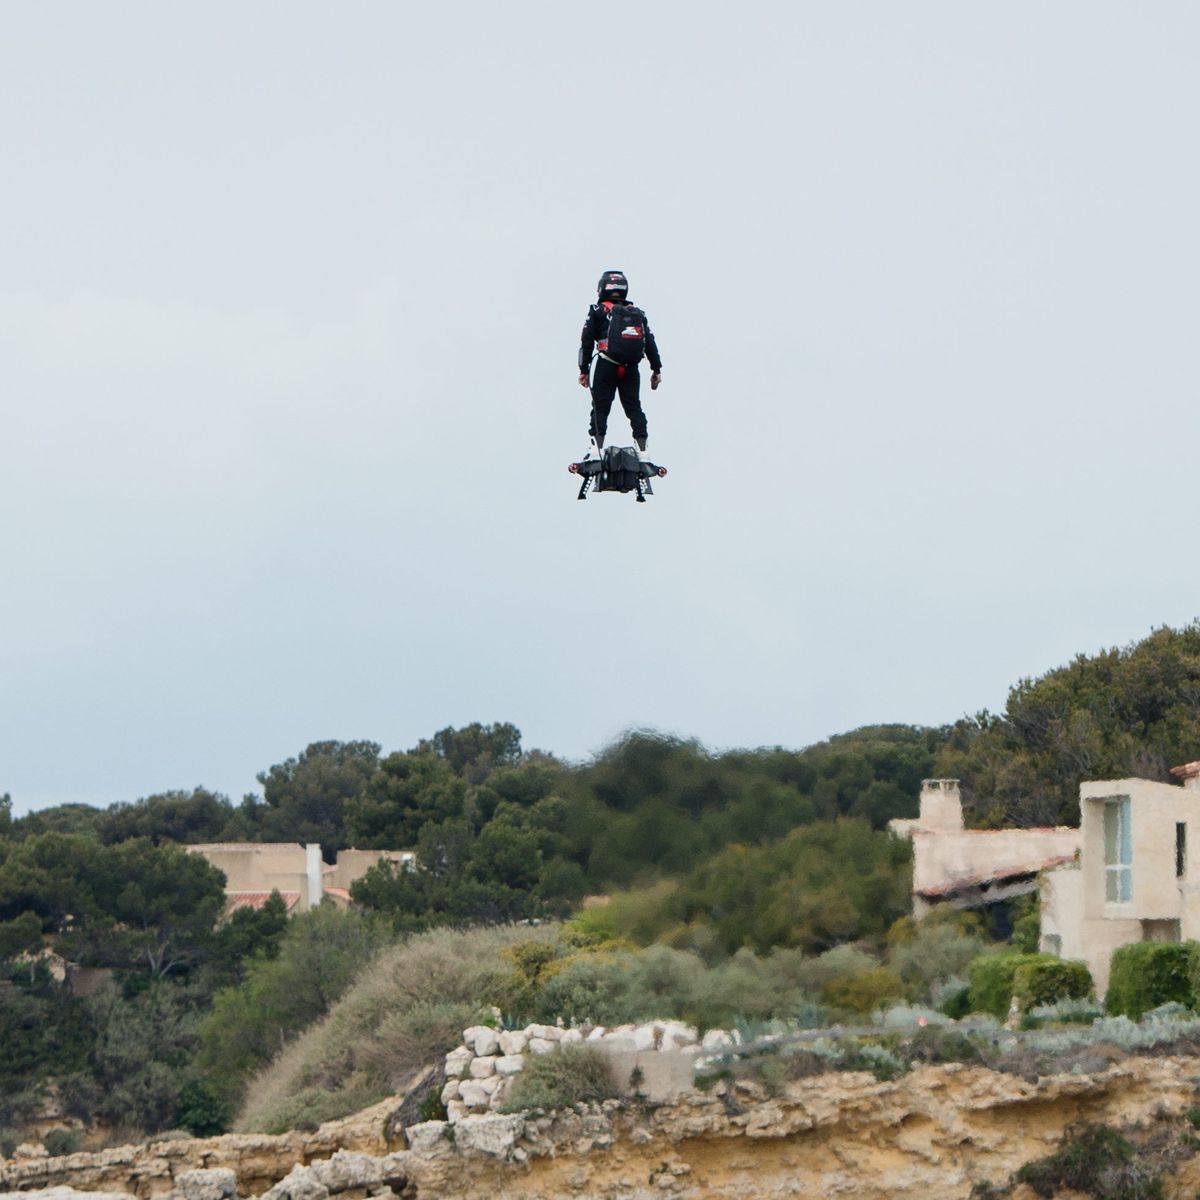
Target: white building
(1129,873)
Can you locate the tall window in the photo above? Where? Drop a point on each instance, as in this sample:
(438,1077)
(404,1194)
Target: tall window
(1118,851)
(1180,849)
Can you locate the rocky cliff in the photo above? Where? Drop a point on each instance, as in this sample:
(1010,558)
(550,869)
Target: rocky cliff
(931,1134)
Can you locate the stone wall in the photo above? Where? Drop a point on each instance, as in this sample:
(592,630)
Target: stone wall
(656,1060)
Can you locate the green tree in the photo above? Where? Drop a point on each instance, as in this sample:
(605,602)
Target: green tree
(305,797)
(476,750)
(408,792)
(1126,711)
(195,816)
(164,903)
(20,936)
(320,954)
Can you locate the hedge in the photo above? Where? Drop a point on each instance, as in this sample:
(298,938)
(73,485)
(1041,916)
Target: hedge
(1051,979)
(1144,975)
(1044,978)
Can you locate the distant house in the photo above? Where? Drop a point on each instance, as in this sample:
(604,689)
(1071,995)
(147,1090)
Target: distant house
(253,870)
(973,868)
(1129,873)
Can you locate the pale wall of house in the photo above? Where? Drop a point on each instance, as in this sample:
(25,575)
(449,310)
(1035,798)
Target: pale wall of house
(286,866)
(1070,933)
(259,868)
(354,864)
(941,857)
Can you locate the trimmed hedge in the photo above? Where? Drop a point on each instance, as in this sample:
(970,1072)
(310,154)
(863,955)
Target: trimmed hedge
(1047,982)
(994,983)
(1144,975)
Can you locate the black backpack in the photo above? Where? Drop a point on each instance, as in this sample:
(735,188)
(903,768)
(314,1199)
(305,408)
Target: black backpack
(626,334)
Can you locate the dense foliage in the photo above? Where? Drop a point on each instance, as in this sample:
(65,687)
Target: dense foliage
(1122,712)
(753,884)
(1144,975)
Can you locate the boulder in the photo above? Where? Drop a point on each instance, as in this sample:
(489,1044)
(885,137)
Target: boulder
(491,1136)
(539,1045)
(450,1091)
(570,1037)
(509,1064)
(548,1033)
(430,1139)
(474,1095)
(512,1041)
(485,1043)
(214,1183)
(481,1068)
(715,1039)
(348,1170)
(301,1184)
(457,1061)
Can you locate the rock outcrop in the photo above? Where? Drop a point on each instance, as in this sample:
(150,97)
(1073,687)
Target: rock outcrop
(929,1135)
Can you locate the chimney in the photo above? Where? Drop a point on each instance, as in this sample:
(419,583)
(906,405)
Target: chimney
(1189,774)
(315,888)
(941,805)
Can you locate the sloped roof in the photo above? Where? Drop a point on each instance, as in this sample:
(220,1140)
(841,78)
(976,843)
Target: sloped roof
(236,900)
(998,875)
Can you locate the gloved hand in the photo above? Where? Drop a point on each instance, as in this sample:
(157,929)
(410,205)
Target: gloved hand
(583,382)
(655,379)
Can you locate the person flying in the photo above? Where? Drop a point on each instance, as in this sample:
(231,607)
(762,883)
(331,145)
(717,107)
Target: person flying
(620,335)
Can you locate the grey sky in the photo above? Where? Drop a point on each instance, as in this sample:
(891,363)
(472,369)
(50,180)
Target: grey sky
(289,303)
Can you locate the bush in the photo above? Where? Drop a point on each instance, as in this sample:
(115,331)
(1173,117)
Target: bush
(1144,975)
(10,1139)
(405,1010)
(1048,980)
(864,991)
(992,980)
(203,1111)
(61,1141)
(1094,1159)
(569,1075)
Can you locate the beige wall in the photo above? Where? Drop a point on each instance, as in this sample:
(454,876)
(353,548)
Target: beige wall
(944,852)
(1070,933)
(259,867)
(354,864)
(267,866)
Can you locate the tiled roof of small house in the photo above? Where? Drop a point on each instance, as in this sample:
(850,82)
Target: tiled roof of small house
(999,875)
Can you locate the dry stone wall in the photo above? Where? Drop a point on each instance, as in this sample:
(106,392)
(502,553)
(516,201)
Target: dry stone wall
(656,1059)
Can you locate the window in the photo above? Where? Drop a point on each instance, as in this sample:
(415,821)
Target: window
(1118,852)
(1180,849)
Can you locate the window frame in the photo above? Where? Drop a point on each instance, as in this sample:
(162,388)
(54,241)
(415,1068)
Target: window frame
(1118,850)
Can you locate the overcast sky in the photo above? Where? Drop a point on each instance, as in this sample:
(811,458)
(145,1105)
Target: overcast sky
(290,297)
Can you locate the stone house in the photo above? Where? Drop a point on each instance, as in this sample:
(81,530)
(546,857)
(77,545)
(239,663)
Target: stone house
(253,870)
(1129,873)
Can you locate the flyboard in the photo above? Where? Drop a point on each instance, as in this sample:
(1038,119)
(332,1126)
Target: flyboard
(616,469)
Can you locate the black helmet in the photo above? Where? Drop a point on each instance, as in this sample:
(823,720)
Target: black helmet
(612,286)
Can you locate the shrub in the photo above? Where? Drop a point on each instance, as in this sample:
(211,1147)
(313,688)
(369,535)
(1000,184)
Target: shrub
(10,1139)
(864,991)
(1063,1012)
(405,1009)
(1144,975)
(599,988)
(934,953)
(992,980)
(1047,980)
(1094,1159)
(203,1111)
(569,1075)
(61,1141)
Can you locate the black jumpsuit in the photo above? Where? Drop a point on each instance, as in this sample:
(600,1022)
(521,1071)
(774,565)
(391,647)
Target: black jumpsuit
(611,378)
